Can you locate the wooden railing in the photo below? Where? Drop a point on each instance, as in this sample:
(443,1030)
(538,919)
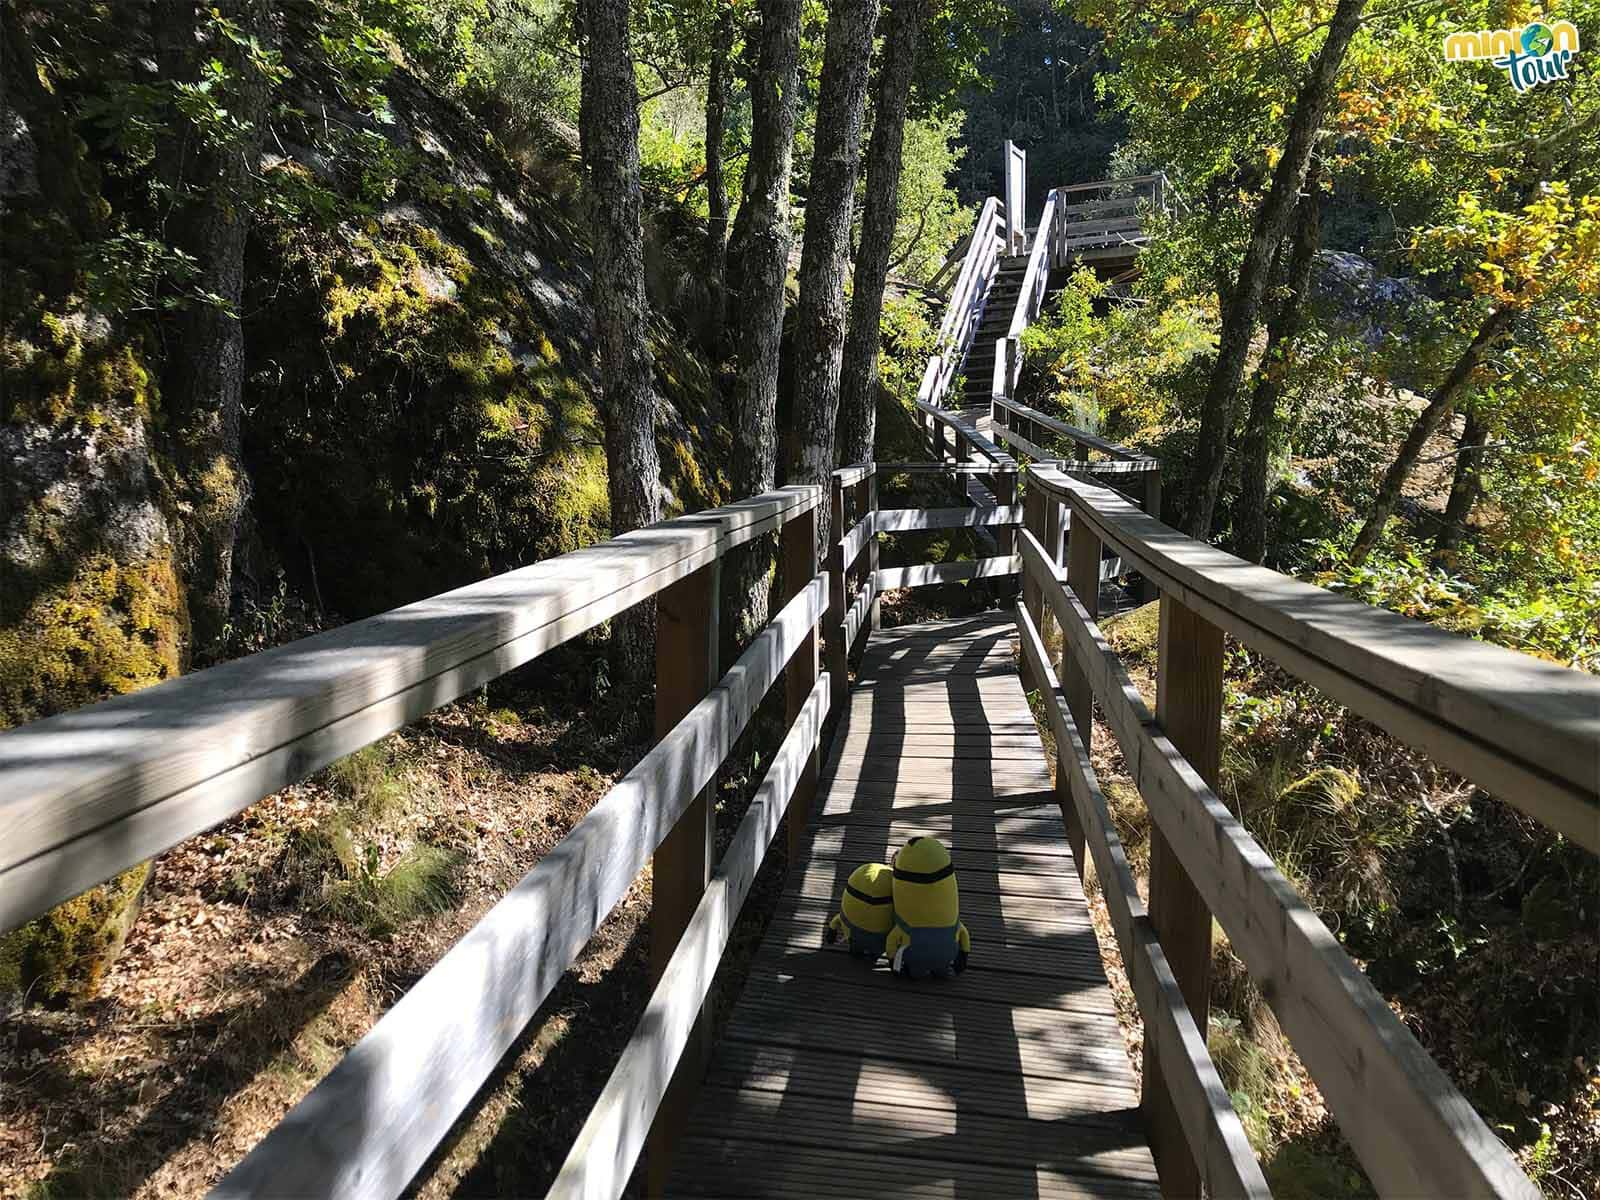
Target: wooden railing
(1105,219)
(1526,730)
(964,309)
(93,792)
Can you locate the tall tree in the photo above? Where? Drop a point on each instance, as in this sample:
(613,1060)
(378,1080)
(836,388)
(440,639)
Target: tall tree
(825,255)
(762,241)
(858,385)
(1466,486)
(609,128)
(1243,301)
(1273,374)
(716,184)
(1456,385)
(210,163)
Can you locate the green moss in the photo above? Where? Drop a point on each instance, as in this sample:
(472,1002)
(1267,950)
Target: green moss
(62,957)
(1135,635)
(575,482)
(57,376)
(110,629)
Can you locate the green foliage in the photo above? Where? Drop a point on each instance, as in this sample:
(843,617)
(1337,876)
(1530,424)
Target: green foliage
(1554,620)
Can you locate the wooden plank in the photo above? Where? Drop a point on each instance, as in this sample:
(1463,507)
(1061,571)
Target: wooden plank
(1413,1131)
(1093,1147)
(1215,1136)
(602,1157)
(897,520)
(687,648)
(95,791)
(807,1172)
(836,623)
(946,572)
(1523,729)
(361,1132)
(822,1073)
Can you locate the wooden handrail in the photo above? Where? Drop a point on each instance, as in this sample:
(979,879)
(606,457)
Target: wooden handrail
(1526,730)
(1215,1135)
(601,1159)
(95,791)
(372,1122)
(1081,437)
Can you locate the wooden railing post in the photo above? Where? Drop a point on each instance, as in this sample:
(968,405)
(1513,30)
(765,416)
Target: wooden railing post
(686,668)
(1005,494)
(1189,711)
(797,568)
(1148,590)
(1056,516)
(938,441)
(1033,519)
(872,548)
(838,604)
(1083,577)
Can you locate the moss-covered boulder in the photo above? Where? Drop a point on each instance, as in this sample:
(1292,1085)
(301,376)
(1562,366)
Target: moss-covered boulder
(62,957)
(422,397)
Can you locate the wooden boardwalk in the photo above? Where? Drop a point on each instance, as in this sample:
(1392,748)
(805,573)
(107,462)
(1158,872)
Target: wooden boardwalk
(837,1080)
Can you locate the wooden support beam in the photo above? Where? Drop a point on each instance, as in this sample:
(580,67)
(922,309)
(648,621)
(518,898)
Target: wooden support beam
(686,668)
(798,563)
(1189,709)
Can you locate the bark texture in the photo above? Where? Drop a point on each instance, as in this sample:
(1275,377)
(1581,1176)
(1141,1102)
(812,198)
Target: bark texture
(609,128)
(858,383)
(1466,488)
(716,183)
(1261,426)
(1243,301)
(763,238)
(1455,386)
(204,374)
(825,255)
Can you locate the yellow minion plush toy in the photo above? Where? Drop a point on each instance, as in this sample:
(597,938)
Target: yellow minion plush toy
(928,937)
(866,911)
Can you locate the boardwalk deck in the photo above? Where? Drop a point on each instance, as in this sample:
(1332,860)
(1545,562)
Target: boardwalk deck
(836,1080)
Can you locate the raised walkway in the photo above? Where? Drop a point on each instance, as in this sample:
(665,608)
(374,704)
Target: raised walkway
(833,1079)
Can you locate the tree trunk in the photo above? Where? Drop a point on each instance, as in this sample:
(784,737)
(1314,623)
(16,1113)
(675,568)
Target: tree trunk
(204,373)
(762,242)
(1273,374)
(1244,298)
(824,258)
(609,127)
(1455,385)
(716,186)
(858,385)
(1465,489)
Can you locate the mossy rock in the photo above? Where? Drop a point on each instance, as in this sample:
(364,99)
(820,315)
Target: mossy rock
(62,957)
(112,628)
